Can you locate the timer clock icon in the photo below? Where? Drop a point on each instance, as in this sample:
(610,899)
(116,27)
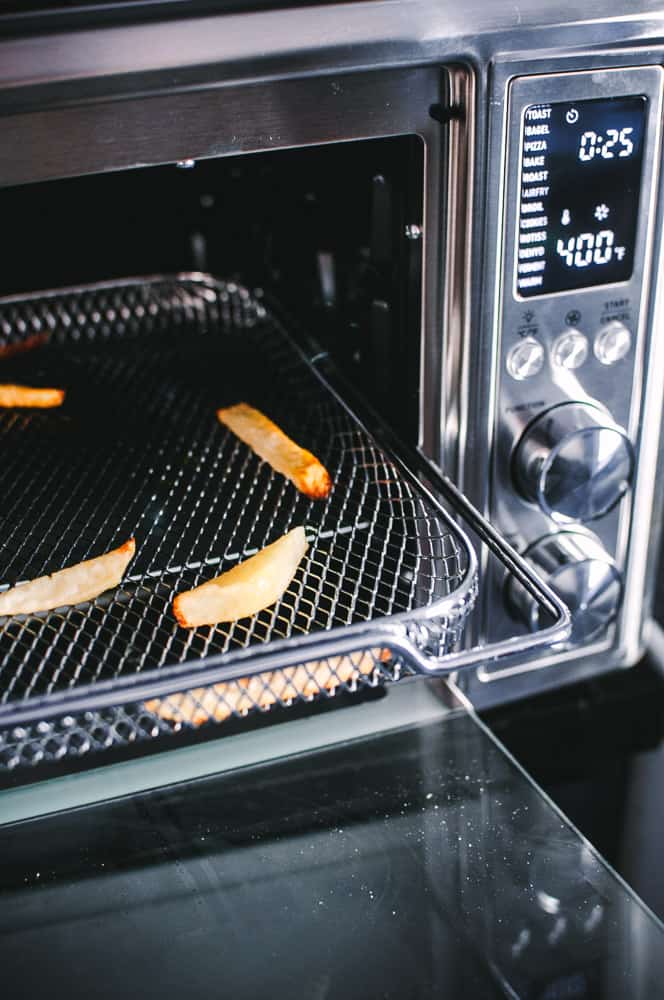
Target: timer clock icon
(572,116)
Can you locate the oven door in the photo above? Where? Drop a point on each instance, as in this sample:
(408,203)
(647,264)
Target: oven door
(407,861)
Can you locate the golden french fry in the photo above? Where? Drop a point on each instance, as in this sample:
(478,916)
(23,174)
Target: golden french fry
(245,589)
(25,395)
(221,701)
(73,585)
(273,446)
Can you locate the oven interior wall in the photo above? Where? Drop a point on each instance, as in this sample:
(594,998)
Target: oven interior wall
(322,230)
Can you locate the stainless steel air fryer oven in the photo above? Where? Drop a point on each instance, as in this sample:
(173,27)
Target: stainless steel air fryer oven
(425,241)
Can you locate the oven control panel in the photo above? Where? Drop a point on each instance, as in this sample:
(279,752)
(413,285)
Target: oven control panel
(581,164)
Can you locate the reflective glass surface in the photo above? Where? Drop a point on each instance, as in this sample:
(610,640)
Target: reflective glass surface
(597,748)
(421,863)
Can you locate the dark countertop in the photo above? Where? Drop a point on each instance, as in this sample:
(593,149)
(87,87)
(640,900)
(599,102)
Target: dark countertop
(420,863)
(597,749)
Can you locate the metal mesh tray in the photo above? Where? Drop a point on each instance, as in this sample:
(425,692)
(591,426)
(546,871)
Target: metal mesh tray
(384,590)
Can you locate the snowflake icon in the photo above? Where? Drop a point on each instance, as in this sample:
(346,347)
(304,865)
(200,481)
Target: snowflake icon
(601,212)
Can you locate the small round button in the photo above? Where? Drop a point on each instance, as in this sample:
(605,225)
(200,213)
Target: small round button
(525,359)
(570,349)
(612,343)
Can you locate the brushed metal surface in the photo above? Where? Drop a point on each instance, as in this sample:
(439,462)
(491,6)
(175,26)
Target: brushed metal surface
(334,37)
(91,138)
(632,403)
(545,317)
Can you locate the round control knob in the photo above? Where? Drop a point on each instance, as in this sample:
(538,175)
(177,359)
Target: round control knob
(580,571)
(612,343)
(574,461)
(525,359)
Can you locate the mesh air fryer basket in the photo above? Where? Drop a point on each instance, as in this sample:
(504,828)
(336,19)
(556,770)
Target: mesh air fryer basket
(136,450)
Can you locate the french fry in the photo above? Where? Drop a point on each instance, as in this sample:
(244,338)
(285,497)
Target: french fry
(263,690)
(271,444)
(245,589)
(30,343)
(25,395)
(73,585)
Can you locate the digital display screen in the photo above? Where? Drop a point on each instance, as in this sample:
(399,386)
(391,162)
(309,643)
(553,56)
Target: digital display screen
(579,194)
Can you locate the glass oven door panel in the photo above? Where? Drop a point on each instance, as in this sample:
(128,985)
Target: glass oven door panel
(416,863)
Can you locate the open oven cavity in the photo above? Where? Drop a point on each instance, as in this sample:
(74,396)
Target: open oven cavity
(321,248)
(331,233)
